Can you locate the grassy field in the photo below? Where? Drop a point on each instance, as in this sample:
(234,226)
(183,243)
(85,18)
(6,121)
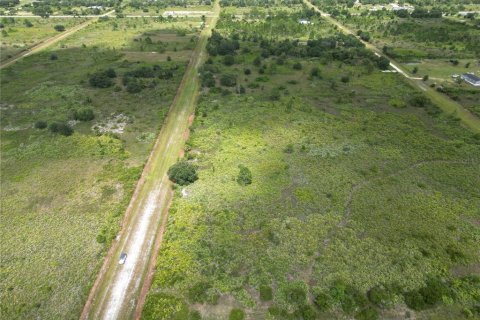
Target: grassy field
(18,34)
(360,203)
(63,196)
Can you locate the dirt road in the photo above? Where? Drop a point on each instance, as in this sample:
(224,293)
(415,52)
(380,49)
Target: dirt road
(117,288)
(445,103)
(48,42)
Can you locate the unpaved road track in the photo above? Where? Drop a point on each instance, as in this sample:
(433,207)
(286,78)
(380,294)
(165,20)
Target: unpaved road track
(117,288)
(446,104)
(48,42)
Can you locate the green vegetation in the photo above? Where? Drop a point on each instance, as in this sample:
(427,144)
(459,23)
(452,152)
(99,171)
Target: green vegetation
(20,34)
(183,173)
(361,203)
(64,190)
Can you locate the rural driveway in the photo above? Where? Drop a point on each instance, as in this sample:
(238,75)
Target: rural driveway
(118,287)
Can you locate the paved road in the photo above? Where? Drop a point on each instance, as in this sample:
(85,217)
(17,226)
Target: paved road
(445,103)
(48,42)
(117,288)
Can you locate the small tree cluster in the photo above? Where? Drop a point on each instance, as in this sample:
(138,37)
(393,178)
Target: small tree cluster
(61,128)
(183,173)
(83,114)
(244,176)
(103,78)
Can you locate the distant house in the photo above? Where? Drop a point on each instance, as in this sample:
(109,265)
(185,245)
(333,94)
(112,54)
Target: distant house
(304,21)
(472,79)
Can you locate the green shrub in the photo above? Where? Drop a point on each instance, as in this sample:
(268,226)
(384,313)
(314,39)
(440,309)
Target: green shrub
(381,297)
(349,298)
(110,72)
(266,293)
(100,79)
(59,28)
(40,124)
(305,312)
(183,173)
(323,301)
(134,86)
(61,128)
(297,66)
(414,300)
(244,176)
(228,80)
(53,56)
(236,314)
(83,114)
(315,72)
(419,101)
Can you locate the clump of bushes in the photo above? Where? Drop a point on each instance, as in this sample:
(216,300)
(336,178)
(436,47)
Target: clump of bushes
(40,124)
(183,173)
(83,114)
(61,128)
(59,28)
(103,78)
(244,176)
(427,296)
(228,80)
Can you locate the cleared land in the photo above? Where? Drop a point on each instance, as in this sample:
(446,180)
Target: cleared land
(21,35)
(63,196)
(359,203)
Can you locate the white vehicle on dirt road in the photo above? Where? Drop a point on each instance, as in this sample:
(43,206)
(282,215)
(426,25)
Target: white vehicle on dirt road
(123,258)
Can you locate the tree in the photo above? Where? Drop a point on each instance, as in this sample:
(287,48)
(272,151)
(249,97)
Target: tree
(228,80)
(425,77)
(59,28)
(419,101)
(183,173)
(40,124)
(100,79)
(415,70)
(345,79)
(83,114)
(134,86)
(244,176)
(61,128)
(53,56)
(383,63)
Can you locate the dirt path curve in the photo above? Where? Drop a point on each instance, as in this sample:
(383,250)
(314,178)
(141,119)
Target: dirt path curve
(118,288)
(445,103)
(48,42)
